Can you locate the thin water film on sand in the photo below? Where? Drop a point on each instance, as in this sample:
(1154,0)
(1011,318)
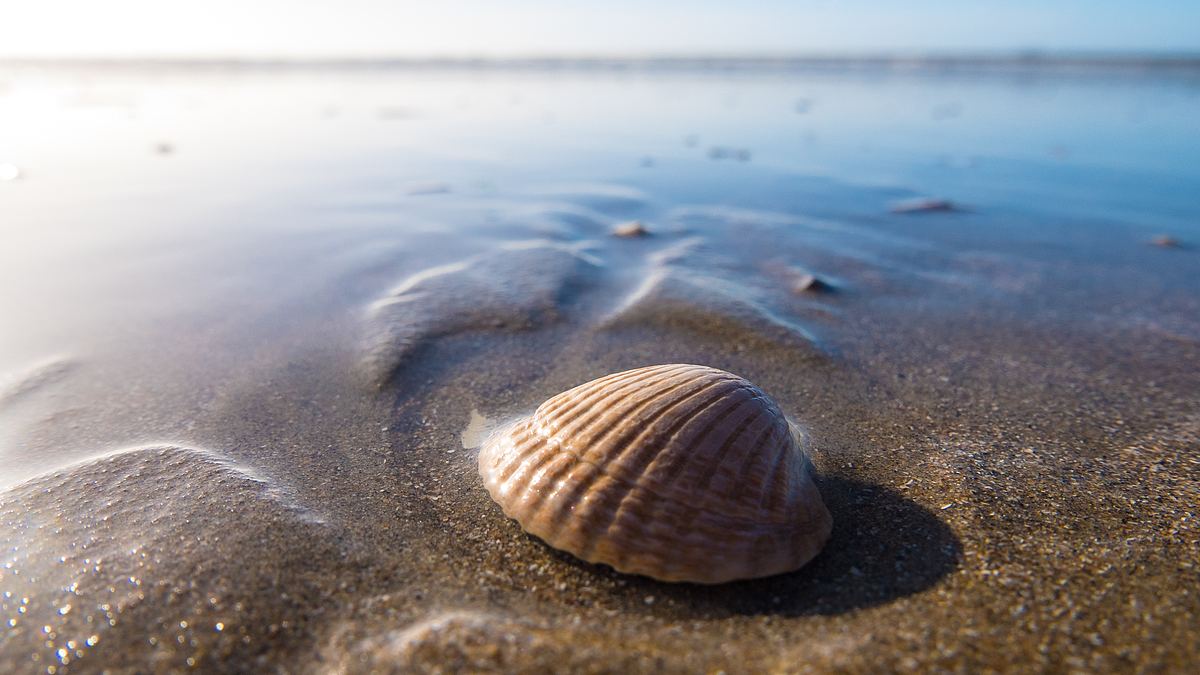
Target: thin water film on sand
(247,366)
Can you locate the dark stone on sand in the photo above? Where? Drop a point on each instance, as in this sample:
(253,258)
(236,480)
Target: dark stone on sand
(925,205)
(810,283)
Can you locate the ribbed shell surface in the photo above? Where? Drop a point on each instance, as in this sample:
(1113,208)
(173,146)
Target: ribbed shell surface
(676,472)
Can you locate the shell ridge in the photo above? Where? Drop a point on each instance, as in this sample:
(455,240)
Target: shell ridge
(622,514)
(568,400)
(521,468)
(675,469)
(582,486)
(742,526)
(572,398)
(764,442)
(558,465)
(779,497)
(639,444)
(652,453)
(785,445)
(520,449)
(695,514)
(791,499)
(724,450)
(591,406)
(764,499)
(554,525)
(561,403)
(603,467)
(542,497)
(600,435)
(770,470)
(654,442)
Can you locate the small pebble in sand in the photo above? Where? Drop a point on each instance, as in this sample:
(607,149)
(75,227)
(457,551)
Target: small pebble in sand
(924,205)
(630,229)
(723,152)
(809,283)
(1165,241)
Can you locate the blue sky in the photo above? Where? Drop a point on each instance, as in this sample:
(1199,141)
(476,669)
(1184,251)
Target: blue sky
(316,28)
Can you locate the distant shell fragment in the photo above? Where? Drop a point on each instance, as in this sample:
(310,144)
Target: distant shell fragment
(676,472)
(632,228)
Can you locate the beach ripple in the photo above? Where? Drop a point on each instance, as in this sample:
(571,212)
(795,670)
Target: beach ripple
(708,307)
(153,559)
(462,641)
(521,286)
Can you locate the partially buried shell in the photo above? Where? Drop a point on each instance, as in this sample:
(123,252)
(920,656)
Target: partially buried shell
(677,472)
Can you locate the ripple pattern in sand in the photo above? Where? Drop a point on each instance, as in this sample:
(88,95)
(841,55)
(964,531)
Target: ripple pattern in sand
(518,287)
(674,300)
(474,642)
(737,276)
(16,387)
(153,558)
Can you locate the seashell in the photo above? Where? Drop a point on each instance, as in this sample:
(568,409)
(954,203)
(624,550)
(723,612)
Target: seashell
(676,472)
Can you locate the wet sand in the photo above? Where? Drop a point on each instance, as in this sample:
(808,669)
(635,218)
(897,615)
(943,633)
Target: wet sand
(1002,406)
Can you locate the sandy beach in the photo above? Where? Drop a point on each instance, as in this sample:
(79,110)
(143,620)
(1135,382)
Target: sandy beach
(243,381)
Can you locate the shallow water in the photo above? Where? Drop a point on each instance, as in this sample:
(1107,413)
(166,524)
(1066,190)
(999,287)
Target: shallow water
(249,313)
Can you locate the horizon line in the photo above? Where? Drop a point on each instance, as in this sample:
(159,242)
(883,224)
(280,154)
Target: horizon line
(910,59)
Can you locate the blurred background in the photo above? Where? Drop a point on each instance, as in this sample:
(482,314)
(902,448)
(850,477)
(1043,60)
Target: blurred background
(181,179)
(377,28)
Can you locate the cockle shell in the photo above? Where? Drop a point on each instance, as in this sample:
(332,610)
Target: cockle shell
(676,472)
